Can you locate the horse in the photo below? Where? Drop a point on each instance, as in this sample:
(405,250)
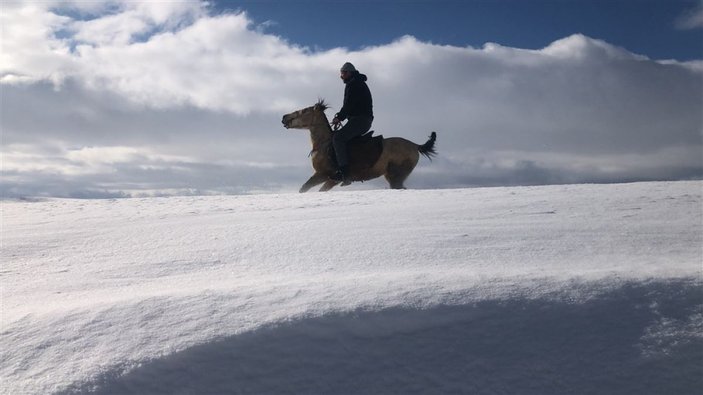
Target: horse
(396,159)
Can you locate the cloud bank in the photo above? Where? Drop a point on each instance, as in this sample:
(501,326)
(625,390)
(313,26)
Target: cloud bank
(124,99)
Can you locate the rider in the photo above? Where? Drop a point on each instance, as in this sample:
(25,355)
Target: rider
(358,109)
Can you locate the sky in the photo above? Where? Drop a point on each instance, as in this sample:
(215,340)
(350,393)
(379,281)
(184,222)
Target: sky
(122,98)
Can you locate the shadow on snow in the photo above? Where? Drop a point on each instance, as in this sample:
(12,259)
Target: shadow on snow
(637,339)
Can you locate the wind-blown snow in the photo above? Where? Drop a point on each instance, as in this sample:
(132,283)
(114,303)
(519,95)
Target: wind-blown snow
(558,289)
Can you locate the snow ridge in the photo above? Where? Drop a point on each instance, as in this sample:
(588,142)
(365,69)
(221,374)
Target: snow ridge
(461,290)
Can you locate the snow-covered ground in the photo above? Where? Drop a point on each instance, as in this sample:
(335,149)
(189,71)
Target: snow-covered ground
(528,290)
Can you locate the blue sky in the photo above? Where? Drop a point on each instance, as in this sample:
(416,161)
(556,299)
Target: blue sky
(126,98)
(647,27)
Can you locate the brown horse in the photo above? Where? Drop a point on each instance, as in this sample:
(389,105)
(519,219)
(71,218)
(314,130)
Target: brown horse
(397,159)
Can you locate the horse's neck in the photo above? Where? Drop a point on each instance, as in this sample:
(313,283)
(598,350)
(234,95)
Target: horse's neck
(320,134)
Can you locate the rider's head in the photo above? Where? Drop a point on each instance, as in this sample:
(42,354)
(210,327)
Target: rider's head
(346,71)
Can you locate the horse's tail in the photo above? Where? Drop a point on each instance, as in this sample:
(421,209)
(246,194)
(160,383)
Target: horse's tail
(427,149)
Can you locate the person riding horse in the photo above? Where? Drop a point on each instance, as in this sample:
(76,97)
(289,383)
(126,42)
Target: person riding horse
(358,109)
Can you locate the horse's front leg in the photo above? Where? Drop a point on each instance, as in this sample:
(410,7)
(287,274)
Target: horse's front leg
(316,179)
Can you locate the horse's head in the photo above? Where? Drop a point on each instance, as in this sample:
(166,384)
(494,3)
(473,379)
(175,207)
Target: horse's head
(307,117)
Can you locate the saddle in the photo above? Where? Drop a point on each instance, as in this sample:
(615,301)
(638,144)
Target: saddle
(363,152)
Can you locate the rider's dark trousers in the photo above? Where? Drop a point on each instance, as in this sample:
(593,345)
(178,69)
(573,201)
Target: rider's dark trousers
(355,126)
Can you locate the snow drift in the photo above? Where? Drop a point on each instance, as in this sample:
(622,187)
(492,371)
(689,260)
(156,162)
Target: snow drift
(533,290)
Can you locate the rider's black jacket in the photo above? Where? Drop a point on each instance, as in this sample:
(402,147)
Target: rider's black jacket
(357,98)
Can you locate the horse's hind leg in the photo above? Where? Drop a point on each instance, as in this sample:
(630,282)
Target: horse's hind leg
(316,179)
(397,173)
(328,185)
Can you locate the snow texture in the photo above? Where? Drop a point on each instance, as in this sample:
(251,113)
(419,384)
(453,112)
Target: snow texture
(581,289)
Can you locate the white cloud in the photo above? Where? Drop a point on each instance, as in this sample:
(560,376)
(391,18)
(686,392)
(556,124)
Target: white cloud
(580,47)
(29,47)
(134,19)
(172,96)
(217,63)
(692,19)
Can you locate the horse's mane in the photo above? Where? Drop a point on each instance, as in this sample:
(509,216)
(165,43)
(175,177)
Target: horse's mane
(322,105)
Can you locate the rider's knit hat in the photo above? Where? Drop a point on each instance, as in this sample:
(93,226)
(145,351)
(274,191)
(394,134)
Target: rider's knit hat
(348,67)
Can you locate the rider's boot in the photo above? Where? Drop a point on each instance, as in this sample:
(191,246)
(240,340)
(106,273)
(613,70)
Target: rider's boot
(342,174)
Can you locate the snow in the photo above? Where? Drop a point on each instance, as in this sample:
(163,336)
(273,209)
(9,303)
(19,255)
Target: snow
(532,290)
